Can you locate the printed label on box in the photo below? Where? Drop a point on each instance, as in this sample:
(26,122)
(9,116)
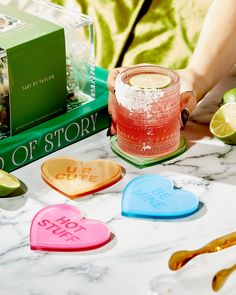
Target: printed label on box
(7,23)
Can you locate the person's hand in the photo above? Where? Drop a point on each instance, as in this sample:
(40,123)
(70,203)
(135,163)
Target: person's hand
(112,99)
(190,94)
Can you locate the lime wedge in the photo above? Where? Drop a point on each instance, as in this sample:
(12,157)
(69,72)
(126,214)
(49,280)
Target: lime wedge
(8,183)
(223,123)
(229,96)
(150,81)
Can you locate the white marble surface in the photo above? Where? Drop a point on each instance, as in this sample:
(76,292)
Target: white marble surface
(136,261)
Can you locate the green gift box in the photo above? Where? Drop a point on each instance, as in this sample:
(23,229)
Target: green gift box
(32,70)
(86,87)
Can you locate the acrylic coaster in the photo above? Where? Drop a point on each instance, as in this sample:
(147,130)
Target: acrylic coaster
(154,196)
(62,228)
(76,178)
(145,162)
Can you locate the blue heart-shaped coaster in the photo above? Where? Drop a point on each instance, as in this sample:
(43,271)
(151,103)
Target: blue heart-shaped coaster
(154,196)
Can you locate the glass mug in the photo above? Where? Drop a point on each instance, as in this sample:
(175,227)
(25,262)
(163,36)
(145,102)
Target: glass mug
(148,118)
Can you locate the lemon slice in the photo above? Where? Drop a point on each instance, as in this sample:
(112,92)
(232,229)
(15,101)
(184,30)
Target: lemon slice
(8,183)
(223,123)
(150,81)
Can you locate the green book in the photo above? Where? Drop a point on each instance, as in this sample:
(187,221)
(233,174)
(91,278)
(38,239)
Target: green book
(61,131)
(32,70)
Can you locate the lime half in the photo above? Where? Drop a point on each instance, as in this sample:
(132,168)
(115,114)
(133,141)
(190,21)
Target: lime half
(8,183)
(223,123)
(229,96)
(150,81)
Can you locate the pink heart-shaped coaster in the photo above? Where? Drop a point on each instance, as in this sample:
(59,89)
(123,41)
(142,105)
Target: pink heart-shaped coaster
(76,178)
(62,228)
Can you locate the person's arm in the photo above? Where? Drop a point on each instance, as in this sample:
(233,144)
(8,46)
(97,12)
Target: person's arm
(215,53)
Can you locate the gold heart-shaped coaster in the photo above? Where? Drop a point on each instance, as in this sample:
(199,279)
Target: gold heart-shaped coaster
(76,178)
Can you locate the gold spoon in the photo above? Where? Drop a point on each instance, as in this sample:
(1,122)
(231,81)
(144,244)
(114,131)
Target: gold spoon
(180,258)
(221,277)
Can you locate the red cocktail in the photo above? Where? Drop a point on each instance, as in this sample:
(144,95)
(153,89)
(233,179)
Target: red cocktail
(148,111)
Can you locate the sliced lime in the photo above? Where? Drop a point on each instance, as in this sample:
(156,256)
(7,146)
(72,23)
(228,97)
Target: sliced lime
(8,183)
(150,81)
(229,96)
(223,123)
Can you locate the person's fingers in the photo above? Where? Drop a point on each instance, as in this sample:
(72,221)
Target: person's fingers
(188,104)
(112,78)
(112,104)
(188,100)
(113,130)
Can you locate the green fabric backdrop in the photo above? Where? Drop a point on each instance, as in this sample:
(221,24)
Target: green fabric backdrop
(128,32)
